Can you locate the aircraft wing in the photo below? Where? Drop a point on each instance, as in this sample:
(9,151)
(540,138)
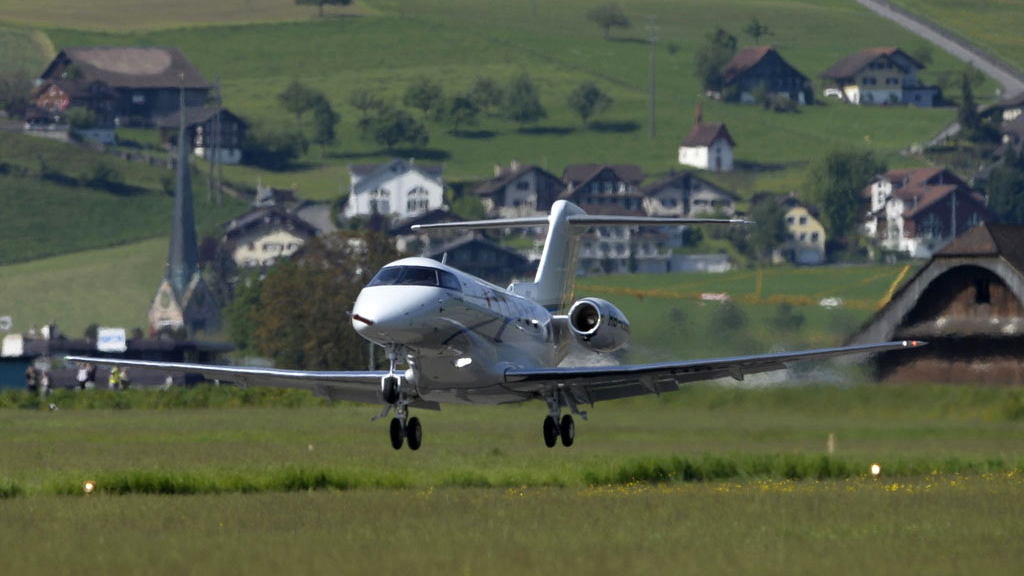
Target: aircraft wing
(356,386)
(599,383)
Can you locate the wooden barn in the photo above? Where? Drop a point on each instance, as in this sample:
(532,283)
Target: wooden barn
(968,304)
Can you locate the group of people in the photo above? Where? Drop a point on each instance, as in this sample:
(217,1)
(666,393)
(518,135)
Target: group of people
(38,380)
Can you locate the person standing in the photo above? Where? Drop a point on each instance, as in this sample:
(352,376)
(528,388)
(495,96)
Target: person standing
(44,383)
(90,378)
(114,380)
(32,379)
(82,376)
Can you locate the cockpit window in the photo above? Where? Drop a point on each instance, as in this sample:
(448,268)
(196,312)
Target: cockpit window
(415,276)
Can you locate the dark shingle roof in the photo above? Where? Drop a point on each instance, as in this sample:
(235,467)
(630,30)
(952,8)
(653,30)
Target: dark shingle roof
(503,179)
(578,174)
(850,65)
(194,115)
(654,187)
(985,239)
(267,215)
(706,134)
(132,66)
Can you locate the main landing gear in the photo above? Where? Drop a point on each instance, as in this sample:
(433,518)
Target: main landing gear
(402,427)
(564,428)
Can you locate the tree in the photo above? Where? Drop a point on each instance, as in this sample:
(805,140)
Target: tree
(460,110)
(588,100)
(522,103)
(756,29)
(1005,189)
(392,126)
(486,93)
(302,318)
(320,4)
(967,113)
(298,99)
(325,119)
(719,48)
(15,90)
(242,314)
(835,182)
(769,228)
(608,16)
(273,147)
(424,94)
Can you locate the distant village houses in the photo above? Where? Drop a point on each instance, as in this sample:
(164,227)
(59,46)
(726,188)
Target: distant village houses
(519,190)
(122,85)
(918,211)
(881,76)
(708,146)
(209,130)
(759,66)
(400,188)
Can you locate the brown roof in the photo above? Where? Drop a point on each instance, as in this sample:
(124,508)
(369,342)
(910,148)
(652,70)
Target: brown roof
(578,174)
(131,66)
(928,196)
(503,179)
(744,60)
(854,63)
(706,134)
(673,178)
(985,239)
(194,115)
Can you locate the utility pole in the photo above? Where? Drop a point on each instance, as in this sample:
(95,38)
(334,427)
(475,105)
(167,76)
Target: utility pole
(654,37)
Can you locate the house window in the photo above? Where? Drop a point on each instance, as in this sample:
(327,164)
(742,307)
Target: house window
(974,220)
(814,237)
(523,184)
(803,220)
(417,200)
(380,201)
(892,81)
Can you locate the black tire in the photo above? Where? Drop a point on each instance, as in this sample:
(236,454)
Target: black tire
(389,390)
(567,430)
(550,432)
(414,433)
(397,433)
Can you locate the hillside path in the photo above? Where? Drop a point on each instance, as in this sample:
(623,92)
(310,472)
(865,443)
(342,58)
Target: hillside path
(1006,75)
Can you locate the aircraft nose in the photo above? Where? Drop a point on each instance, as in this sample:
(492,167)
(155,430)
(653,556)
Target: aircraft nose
(394,313)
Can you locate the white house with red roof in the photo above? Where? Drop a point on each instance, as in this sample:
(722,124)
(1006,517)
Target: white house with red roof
(708,146)
(920,210)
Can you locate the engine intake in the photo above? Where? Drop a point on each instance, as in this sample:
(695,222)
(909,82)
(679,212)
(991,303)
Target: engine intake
(598,325)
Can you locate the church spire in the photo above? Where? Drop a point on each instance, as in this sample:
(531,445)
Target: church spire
(698,115)
(183,260)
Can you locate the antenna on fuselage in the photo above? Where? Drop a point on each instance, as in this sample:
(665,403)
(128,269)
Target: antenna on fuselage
(444,258)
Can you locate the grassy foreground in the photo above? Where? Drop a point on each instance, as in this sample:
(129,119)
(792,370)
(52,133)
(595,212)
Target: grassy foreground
(938,525)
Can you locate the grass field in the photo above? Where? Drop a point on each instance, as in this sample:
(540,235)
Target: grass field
(484,496)
(456,41)
(986,24)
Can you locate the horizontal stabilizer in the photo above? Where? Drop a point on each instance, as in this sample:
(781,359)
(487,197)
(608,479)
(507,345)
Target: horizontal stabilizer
(582,221)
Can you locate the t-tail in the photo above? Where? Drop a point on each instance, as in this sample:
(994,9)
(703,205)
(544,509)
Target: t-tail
(556,274)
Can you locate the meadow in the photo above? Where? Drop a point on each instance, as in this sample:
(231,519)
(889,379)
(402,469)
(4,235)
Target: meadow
(455,41)
(657,485)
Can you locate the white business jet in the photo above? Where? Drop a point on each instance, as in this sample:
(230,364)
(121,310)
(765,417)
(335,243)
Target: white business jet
(467,341)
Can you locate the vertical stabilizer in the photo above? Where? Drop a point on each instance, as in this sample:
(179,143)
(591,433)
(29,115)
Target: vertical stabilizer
(556,273)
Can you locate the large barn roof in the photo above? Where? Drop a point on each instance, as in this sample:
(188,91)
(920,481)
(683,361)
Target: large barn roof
(131,66)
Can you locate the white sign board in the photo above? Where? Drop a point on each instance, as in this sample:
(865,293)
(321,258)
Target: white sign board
(111,340)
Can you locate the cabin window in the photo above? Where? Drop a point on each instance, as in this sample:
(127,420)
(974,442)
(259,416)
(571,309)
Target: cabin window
(981,292)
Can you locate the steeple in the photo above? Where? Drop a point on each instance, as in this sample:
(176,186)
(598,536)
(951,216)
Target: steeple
(183,260)
(698,115)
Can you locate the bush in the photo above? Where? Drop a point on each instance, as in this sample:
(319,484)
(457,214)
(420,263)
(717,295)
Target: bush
(273,148)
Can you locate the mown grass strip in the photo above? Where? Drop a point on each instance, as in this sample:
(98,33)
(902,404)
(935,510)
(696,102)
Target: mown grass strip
(649,470)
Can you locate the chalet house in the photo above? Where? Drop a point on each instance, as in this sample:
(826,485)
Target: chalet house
(592,186)
(919,210)
(687,196)
(762,65)
(623,249)
(708,147)
(881,76)
(57,96)
(519,191)
(134,84)
(263,235)
(967,302)
(201,127)
(806,243)
(401,188)
(482,258)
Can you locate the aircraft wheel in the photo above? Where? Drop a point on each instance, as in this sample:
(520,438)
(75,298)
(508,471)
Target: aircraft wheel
(550,432)
(397,433)
(389,390)
(414,433)
(568,430)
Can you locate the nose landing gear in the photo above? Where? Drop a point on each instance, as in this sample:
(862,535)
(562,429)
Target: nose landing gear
(402,427)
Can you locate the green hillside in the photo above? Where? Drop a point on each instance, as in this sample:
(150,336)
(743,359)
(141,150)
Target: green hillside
(47,212)
(454,41)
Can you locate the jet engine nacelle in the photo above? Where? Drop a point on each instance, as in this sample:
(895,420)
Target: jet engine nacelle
(598,325)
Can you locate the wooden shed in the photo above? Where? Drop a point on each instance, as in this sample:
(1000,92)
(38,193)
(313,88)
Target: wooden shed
(968,304)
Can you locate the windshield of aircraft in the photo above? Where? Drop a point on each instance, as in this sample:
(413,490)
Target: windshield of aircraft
(415,276)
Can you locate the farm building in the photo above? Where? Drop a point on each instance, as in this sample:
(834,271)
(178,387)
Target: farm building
(968,304)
